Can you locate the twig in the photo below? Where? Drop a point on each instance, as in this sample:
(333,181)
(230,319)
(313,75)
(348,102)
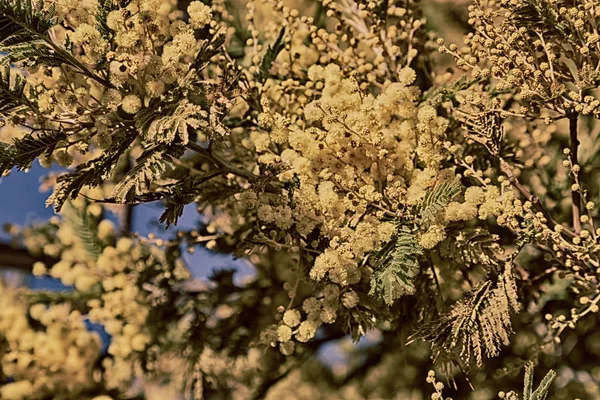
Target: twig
(219,161)
(126,219)
(438,286)
(530,197)
(126,212)
(19,258)
(574,147)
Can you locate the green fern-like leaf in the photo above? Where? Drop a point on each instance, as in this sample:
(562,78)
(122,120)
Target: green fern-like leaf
(24,36)
(270,56)
(30,147)
(393,278)
(471,246)
(542,391)
(24,27)
(182,193)
(85,228)
(479,324)
(542,17)
(438,198)
(6,157)
(207,51)
(23,151)
(12,92)
(528,393)
(168,128)
(149,167)
(76,299)
(90,174)
(104,8)
(23,22)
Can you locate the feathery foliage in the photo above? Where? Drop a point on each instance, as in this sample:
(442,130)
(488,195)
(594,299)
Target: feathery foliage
(24,27)
(392,279)
(30,147)
(528,393)
(184,192)
(23,22)
(536,15)
(168,128)
(208,49)
(12,92)
(104,8)
(6,157)
(90,174)
(149,167)
(85,227)
(479,324)
(270,56)
(437,199)
(77,300)
(470,247)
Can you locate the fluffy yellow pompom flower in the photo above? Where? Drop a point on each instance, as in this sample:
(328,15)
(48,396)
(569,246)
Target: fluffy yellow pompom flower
(200,14)
(291,318)
(433,236)
(131,104)
(16,390)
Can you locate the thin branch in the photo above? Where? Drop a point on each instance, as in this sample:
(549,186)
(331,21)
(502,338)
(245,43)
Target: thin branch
(438,286)
(574,147)
(62,52)
(19,258)
(126,219)
(126,212)
(530,197)
(219,161)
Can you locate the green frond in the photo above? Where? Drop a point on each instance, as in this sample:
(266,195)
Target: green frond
(31,146)
(85,228)
(6,157)
(28,54)
(393,278)
(146,115)
(23,22)
(23,151)
(528,382)
(24,36)
(75,298)
(182,193)
(24,27)
(12,92)
(471,246)
(207,51)
(437,199)
(149,167)
(90,174)
(479,324)
(270,56)
(542,391)
(528,393)
(168,128)
(541,17)
(104,8)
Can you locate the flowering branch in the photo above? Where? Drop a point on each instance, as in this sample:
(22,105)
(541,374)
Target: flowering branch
(532,198)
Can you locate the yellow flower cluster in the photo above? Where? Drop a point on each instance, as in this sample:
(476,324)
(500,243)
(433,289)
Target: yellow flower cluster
(52,354)
(487,202)
(354,160)
(318,311)
(118,299)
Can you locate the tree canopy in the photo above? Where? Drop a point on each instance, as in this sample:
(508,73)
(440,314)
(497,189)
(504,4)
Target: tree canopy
(423,211)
